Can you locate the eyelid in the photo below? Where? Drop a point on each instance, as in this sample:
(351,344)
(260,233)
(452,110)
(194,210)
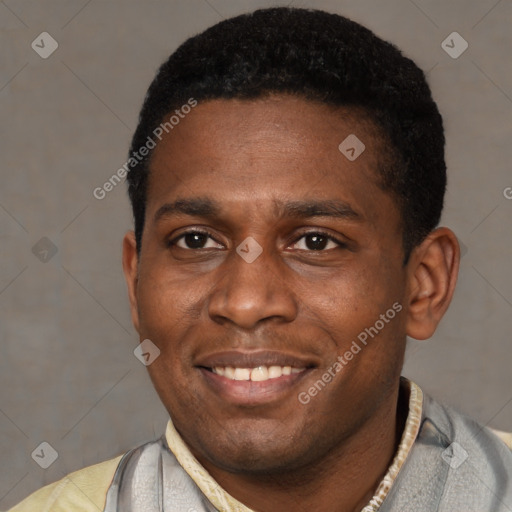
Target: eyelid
(319,231)
(303,232)
(203,231)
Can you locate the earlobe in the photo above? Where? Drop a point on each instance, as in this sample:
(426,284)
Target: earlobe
(432,277)
(131,269)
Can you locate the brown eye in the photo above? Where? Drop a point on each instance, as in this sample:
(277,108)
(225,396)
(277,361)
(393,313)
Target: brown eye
(318,241)
(194,239)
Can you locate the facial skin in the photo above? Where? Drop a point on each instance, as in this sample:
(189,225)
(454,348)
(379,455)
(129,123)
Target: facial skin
(303,297)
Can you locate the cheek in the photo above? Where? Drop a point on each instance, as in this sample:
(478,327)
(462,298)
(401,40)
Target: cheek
(348,308)
(348,298)
(170,316)
(166,304)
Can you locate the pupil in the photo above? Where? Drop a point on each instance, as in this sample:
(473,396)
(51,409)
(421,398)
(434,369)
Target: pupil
(318,242)
(313,242)
(195,240)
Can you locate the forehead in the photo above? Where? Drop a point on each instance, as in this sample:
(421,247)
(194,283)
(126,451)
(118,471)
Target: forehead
(276,148)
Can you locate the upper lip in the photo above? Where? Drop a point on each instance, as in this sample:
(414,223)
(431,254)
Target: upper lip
(253,359)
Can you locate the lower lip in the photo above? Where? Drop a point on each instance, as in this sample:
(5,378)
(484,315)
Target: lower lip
(251,393)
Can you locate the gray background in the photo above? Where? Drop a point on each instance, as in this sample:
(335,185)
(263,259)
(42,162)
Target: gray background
(68,375)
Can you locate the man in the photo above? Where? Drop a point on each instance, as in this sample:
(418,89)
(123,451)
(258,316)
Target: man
(287,178)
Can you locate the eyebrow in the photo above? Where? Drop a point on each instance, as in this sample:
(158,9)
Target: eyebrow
(319,208)
(209,208)
(196,207)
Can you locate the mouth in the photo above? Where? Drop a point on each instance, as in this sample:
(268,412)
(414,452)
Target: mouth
(257,374)
(253,378)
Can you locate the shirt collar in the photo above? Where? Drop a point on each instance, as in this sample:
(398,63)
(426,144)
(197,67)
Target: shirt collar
(224,502)
(412,427)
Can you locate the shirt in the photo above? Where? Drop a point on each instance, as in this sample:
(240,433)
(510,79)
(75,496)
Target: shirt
(436,443)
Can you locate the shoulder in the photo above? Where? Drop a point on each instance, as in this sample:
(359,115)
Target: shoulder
(506,437)
(460,428)
(82,491)
(477,461)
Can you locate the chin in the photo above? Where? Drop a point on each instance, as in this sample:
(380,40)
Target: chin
(258,453)
(255,462)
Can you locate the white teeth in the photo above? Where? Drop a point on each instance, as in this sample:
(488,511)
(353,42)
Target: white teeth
(242,374)
(258,374)
(274,372)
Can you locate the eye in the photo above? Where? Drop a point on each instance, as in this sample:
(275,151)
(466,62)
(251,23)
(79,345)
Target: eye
(194,239)
(318,241)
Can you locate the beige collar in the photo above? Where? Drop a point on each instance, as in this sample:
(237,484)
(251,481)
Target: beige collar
(226,503)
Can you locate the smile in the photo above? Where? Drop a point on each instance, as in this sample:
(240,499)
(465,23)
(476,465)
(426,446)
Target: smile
(258,374)
(255,377)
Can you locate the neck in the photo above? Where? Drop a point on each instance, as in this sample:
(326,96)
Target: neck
(344,480)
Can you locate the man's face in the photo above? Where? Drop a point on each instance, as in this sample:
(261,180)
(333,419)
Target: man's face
(269,170)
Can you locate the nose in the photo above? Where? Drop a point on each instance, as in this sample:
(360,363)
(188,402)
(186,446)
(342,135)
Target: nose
(247,294)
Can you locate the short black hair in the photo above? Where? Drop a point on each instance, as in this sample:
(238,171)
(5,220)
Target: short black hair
(321,57)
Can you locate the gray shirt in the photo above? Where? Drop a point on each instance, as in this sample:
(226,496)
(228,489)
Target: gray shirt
(454,465)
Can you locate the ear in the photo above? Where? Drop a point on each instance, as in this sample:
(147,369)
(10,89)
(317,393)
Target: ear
(130,269)
(432,275)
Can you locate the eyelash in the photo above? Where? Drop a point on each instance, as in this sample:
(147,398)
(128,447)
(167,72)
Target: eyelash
(340,244)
